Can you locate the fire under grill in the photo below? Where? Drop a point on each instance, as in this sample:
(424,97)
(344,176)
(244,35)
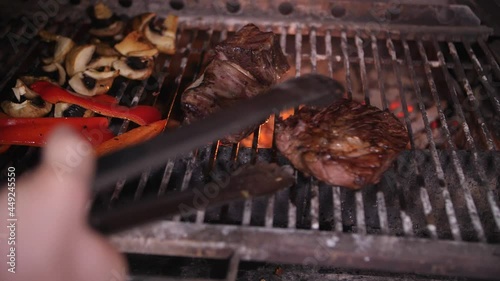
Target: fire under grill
(435,212)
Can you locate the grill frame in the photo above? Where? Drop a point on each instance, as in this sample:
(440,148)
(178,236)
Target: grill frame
(183,238)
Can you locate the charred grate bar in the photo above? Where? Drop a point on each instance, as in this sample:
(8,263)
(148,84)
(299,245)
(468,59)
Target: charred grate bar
(436,212)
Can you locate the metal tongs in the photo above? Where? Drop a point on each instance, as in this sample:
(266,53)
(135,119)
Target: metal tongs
(310,89)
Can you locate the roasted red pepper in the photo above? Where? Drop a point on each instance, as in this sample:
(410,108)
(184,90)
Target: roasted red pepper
(140,114)
(131,137)
(34,131)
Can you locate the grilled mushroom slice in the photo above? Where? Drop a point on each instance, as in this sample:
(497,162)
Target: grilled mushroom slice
(103,48)
(134,44)
(100,62)
(114,30)
(135,68)
(140,21)
(21,89)
(62,109)
(105,23)
(63,46)
(26,104)
(60,71)
(92,82)
(162,35)
(29,108)
(59,108)
(78,59)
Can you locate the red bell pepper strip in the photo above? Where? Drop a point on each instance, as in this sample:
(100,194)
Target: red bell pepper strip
(140,114)
(34,131)
(134,136)
(106,99)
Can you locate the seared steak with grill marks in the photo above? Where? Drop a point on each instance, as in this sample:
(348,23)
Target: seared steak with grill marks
(244,66)
(346,143)
(257,52)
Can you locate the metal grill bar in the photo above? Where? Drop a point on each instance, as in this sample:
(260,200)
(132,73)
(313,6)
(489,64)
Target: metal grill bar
(347,66)
(437,257)
(120,184)
(483,78)
(427,206)
(314,57)
(337,211)
(269,217)
(142,184)
(314,192)
(292,209)
(362,65)
(406,221)
(313,183)
(454,96)
(437,164)
(298,52)
(167,173)
(382,213)
(360,213)
(491,59)
(470,95)
(187,176)
(378,68)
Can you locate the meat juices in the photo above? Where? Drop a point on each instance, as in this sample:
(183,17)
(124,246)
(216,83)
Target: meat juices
(346,143)
(244,66)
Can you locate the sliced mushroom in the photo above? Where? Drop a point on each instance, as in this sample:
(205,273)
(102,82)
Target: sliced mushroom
(29,108)
(105,23)
(105,62)
(145,53)
(135,68)
(21,89)
(114,30)
(63,46)
(62,109)
(92,82)
(104,49)
(102,12)
(140,21)
(163,35)
(60,70)
(59,108)
(133,43)
(78,59)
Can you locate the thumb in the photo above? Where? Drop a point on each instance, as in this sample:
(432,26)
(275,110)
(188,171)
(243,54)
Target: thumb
(68,167)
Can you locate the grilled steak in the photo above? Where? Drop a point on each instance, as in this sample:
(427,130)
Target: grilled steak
(255,51)
(346,143)
(244,66)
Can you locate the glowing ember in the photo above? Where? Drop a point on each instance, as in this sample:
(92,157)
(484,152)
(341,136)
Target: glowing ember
(266,132)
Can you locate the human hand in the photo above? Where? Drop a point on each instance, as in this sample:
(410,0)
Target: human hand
(53,239)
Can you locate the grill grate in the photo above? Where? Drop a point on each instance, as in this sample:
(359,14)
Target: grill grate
(435,212)
(430,203)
